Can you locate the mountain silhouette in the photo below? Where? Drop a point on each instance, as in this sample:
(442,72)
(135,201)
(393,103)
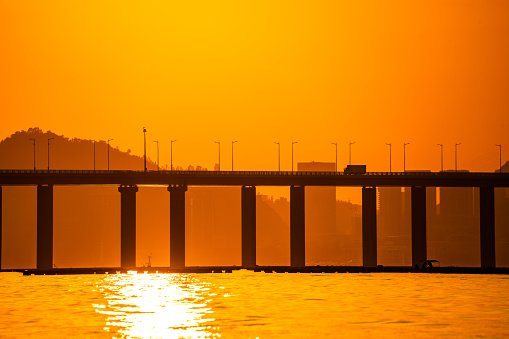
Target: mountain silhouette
(17,152)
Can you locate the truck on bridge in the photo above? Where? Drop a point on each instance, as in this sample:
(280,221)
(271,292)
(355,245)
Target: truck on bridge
(355,169)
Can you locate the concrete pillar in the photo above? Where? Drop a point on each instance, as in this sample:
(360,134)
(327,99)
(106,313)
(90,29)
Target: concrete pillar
(248,198)
(44,226)
(369,247)
(0,227)
(419,243)
(128,225)
(177,225)
(297,227)
(487,226)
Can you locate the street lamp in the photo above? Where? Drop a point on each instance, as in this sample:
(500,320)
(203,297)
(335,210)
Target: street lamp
(404,155)
(390,157)
(350,152)
(232,152)
(48,150)
(219,148)
(171,154)
(293,142)
(157,142)
(500,145)
(336,144)
(144,149)
(456,156)
(33,140)
(94,154)
(278,156)
(441,157)
(109,153)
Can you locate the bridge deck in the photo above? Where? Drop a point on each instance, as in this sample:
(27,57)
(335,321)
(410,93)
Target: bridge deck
(252,178)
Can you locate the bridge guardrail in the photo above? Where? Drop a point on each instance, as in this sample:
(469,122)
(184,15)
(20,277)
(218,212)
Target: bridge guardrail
(252,173)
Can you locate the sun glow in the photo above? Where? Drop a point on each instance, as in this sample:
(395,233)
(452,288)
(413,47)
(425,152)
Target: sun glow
(157,305)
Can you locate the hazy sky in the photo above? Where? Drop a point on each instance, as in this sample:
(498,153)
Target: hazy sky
(316,72)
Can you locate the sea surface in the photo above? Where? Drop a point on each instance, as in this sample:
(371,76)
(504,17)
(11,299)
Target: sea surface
(245,304)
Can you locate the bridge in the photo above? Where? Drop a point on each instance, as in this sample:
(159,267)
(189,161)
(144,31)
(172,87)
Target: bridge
(178,181)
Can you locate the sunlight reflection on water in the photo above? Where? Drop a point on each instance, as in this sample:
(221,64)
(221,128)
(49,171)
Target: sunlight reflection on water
(245,304)
(156,306)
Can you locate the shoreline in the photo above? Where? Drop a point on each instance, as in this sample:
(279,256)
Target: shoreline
(265,269)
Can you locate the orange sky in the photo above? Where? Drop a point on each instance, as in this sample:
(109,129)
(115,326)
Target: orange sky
(316,72)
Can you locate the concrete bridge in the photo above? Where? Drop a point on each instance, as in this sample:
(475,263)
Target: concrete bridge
(178,181)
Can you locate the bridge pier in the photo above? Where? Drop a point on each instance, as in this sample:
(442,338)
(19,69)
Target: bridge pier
(419,240)
(369,235)
(297,226)
(128,225)
(248,202)
(1,227)
(44,226)
(177,225)
(487,226)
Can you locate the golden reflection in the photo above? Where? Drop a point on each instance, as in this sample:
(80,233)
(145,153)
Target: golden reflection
(156,306)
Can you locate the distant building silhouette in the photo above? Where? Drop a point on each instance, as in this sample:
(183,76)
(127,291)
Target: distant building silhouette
(455,241)
(349,231)
(394,226)
(320,214)
(272,231)
(213,226)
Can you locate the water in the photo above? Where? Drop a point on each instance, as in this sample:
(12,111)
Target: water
(248,305)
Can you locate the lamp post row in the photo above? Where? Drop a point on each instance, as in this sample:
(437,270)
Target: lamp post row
(404,155)
(293,143)
(279,154)
(109,153)
(48,150)
(33,140)
(441,157)
(456,156)
(500,157)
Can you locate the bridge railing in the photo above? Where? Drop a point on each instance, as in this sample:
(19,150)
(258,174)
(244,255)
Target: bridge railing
(250,173)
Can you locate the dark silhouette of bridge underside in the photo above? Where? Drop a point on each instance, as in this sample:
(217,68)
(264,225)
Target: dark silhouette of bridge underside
(177,182)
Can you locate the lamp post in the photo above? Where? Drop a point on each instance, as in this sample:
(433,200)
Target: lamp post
(500,145)
(157,142)
(456,156)
(48,150)
(278,156)
(171,154)
(390,157)
(144,149)
(33,140)
(336,144)
(109,153)
(94,154)
(350,152)
(293,142)
(441,157)
(404,155)
(219,148)
(232,152)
